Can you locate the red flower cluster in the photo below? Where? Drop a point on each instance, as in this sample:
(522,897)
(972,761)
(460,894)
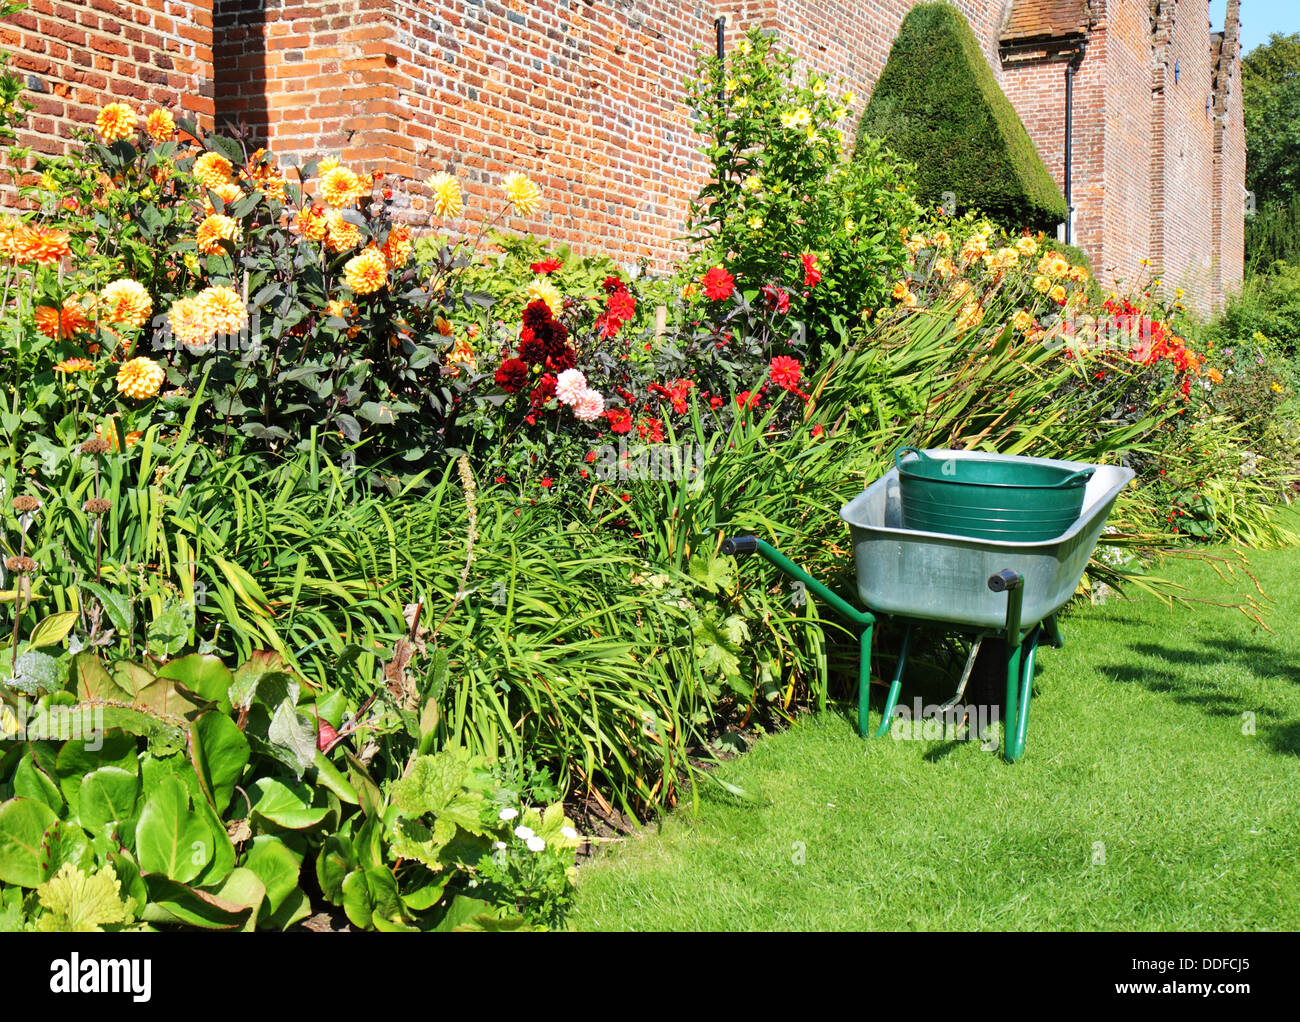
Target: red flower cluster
(546,267)
(620,421)
(544,340)
(778,300)
(719,285)
(786,372)
(620,308)
(677,393)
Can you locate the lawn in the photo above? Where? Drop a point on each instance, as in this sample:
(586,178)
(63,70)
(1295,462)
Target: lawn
(1146,799)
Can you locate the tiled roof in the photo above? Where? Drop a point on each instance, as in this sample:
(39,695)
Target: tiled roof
(1035,19)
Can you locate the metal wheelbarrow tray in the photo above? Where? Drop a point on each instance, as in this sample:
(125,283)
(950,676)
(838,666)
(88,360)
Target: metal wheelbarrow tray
(981,587)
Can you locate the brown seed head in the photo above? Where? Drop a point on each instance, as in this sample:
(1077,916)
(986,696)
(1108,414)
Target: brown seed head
(25,503)
(97,506)
(95,445)
(20,565)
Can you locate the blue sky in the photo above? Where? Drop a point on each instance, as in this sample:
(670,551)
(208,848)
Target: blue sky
(1259,19)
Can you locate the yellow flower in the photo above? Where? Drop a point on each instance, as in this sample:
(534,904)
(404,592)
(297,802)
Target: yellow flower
(1042,284)
(1079,274)
(140,378)
(366,272)
(522,193)
(542,290)
(976,247)
(944,268)
(915,243)
(115,121)
(214,230)
(1276,388)
(311,224)
(74,365)
(325,164)
(1006,259)
(223,310)
(228,192)
(800,118)
(1022,321)
(398,247)
(972,314)
(1054,265)
(448,201)
(849,98)
(461,354)
(343,236)
(188,322)
(342,187)
(752,184)
(962,289)
(755,222)
(941,240)
(1057,294)
(213,170)
(160,125)
(125,301)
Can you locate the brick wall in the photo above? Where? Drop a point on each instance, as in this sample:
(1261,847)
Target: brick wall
(585,96)
(78,55)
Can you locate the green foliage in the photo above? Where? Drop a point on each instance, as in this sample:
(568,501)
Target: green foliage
(1268,305)
(1271,99)
(938,106)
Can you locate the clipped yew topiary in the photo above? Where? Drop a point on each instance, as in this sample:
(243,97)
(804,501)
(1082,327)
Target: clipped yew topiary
(938,105)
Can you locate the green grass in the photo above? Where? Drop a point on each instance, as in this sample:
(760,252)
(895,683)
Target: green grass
(1140,803)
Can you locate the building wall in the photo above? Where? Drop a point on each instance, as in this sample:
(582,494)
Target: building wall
(586,96)
(78,55)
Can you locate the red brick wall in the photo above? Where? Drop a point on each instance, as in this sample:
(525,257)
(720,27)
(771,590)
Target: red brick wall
(78,55)
(1230,156)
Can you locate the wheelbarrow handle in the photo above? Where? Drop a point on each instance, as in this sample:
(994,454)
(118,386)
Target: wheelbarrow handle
(1005,581)
(739,546)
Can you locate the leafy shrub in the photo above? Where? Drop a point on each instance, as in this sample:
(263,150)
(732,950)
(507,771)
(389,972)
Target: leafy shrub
(1269,305)
(786,210)
(938,106)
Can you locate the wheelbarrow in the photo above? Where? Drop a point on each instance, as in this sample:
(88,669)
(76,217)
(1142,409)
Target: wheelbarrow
(1002,590)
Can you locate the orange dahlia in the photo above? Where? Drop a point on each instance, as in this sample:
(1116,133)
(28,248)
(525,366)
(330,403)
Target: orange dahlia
(74,365)
(224,310)
(140,378)
(311,223)
(60,323)
(343,236)
(213,231)
(107,432)
(125,301)
(398,247)
(38,244)
(213,170)
(367,272)
(160,125)
(189,322)
(115,121)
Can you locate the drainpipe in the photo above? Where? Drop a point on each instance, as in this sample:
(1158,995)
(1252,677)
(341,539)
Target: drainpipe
(720,24)
(1071,69)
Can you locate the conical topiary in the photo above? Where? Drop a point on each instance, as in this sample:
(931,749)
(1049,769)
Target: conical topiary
(938,106)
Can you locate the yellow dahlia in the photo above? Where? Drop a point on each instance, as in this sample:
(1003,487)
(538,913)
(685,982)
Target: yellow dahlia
(971,315)
(326,164)
(1027,246)
(213,170)
(448,201)
(74,365)
(140,378)
(1022,321)
(213,231)
(542,290)
(227,193)
(189,322)
(976,247)
(1057,294)
(523,193)
(160,125)
(366,272)
(125,301)
(224,309)
(115,121)
(341,187)
(343,236)
(1042,284)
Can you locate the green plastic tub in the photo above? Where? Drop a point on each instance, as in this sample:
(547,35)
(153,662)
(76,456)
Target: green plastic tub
(1024,500)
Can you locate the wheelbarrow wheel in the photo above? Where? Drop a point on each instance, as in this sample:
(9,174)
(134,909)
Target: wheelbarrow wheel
(986,694)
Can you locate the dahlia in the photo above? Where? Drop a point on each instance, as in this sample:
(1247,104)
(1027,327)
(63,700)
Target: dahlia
(60,323)
(448,202)
(38,244)
(546,267)
(342,235)
(213,170)
(160,125)
(189,322)
(342,187)
(140,378)
(115,121)
(227,193)
(972,314)
(311,223)
(512,376)
(213,231)
(569,386)
(542,290)
(125,301)
(589,406)
(718,284)
(811,275)
(107,432)
(523,193)
(74,365)
(367,272)
(785,372)
(223,309)
(398,247)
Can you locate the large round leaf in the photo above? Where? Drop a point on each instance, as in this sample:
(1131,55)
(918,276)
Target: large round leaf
(23,823)
(169,839)
(108,796)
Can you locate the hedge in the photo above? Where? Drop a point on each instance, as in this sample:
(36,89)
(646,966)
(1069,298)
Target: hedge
(938,106)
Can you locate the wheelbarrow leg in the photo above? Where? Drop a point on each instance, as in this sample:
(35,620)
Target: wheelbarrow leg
(1012,584)
(1014,735)
(895,686)
(864,683)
